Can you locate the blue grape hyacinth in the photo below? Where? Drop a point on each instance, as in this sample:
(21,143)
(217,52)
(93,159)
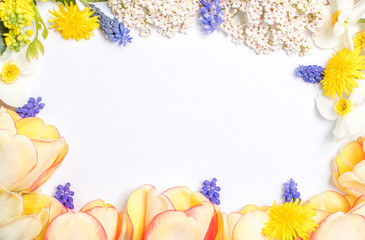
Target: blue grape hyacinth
(291,192)
(211,15)
(210,190)
(31,109)
(112,28)
(64,195)
(310,73)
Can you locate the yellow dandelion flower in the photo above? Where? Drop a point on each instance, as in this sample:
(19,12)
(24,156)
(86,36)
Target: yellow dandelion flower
(289,221)
(342,71)
(71,22)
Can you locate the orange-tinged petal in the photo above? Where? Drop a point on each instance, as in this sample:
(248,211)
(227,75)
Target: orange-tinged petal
(349,156)
(179,197)
(250,226)
(354,182)
(48,152)
(232,219)
(155,205)
(18,157)
(92,204)
(220,230)
(206,217)
(123,231)
(331,202)
(20,228)
(136,210)
(35,128)
(10,205)
(196,198)
(351,199)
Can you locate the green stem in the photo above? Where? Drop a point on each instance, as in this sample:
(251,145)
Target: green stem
(85,2)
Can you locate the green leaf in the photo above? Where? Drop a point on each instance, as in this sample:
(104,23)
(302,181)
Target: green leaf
(45,33)
(68,2)
(3,30)
(33,48)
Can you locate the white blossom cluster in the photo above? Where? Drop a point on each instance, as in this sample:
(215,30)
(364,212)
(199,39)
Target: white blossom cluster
(268,25)
(168,16)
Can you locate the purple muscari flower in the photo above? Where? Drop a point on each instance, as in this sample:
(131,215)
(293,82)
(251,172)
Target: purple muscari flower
(290,191)
(31,109)
(64,195)
(112,28)
(211,15)
(210,190)
(310,73)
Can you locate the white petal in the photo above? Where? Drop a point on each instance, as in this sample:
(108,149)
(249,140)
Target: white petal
(16,94)
(22,63)
(344,4)
(339,29)
(325,106)
(358,11)
(340,131)
(355,123)
(358,95)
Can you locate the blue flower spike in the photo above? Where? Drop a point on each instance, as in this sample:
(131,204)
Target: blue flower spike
(31,109)
(210,190)
(112,28)
(64,195)
(291,192)
(311,73)
(211,15)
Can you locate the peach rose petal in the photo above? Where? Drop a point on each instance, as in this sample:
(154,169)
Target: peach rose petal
(47,154)
(340,226)
(331,202)
(123,231)
(206,217)
(179,197)
(75,226)
(173,225)
(354,182)
(136,210)
(156,204)
(10,205)
(349,156)
(7,122)
(21,228)
(18,157)
(92,204)
(250,226)
(232,219)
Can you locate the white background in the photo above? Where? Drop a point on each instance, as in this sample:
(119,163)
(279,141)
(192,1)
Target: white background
(173,112)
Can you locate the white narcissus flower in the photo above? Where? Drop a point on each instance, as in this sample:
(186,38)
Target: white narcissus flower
(16,77)
(341,24)
(348,113)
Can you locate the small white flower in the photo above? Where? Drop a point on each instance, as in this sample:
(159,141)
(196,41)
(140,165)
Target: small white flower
(16,77)
(348,113)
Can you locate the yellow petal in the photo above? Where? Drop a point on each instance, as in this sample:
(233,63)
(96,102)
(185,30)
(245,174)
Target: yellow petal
(18,157)
(179,197)
(349,156)
(35,128)
(354,182)
(248,208)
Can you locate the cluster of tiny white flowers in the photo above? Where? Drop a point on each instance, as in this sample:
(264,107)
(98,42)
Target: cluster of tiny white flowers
(168,16)
(268,25)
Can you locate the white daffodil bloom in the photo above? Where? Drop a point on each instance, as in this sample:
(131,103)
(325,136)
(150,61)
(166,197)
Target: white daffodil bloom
(340,24)
(348,113)
(16,77)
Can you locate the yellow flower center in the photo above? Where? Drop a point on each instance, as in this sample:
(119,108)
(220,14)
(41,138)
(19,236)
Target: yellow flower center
(343,107)
(10,73)
(335,18)
(359,40)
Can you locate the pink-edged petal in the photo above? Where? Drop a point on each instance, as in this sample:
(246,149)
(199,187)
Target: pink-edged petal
(354,181)
(7,122)
(21,228)
(75,226)
(109,219)
(18,157)
(173,225)
(156,204)
(10,205)
(47,155)
(250,226)
(325,106)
